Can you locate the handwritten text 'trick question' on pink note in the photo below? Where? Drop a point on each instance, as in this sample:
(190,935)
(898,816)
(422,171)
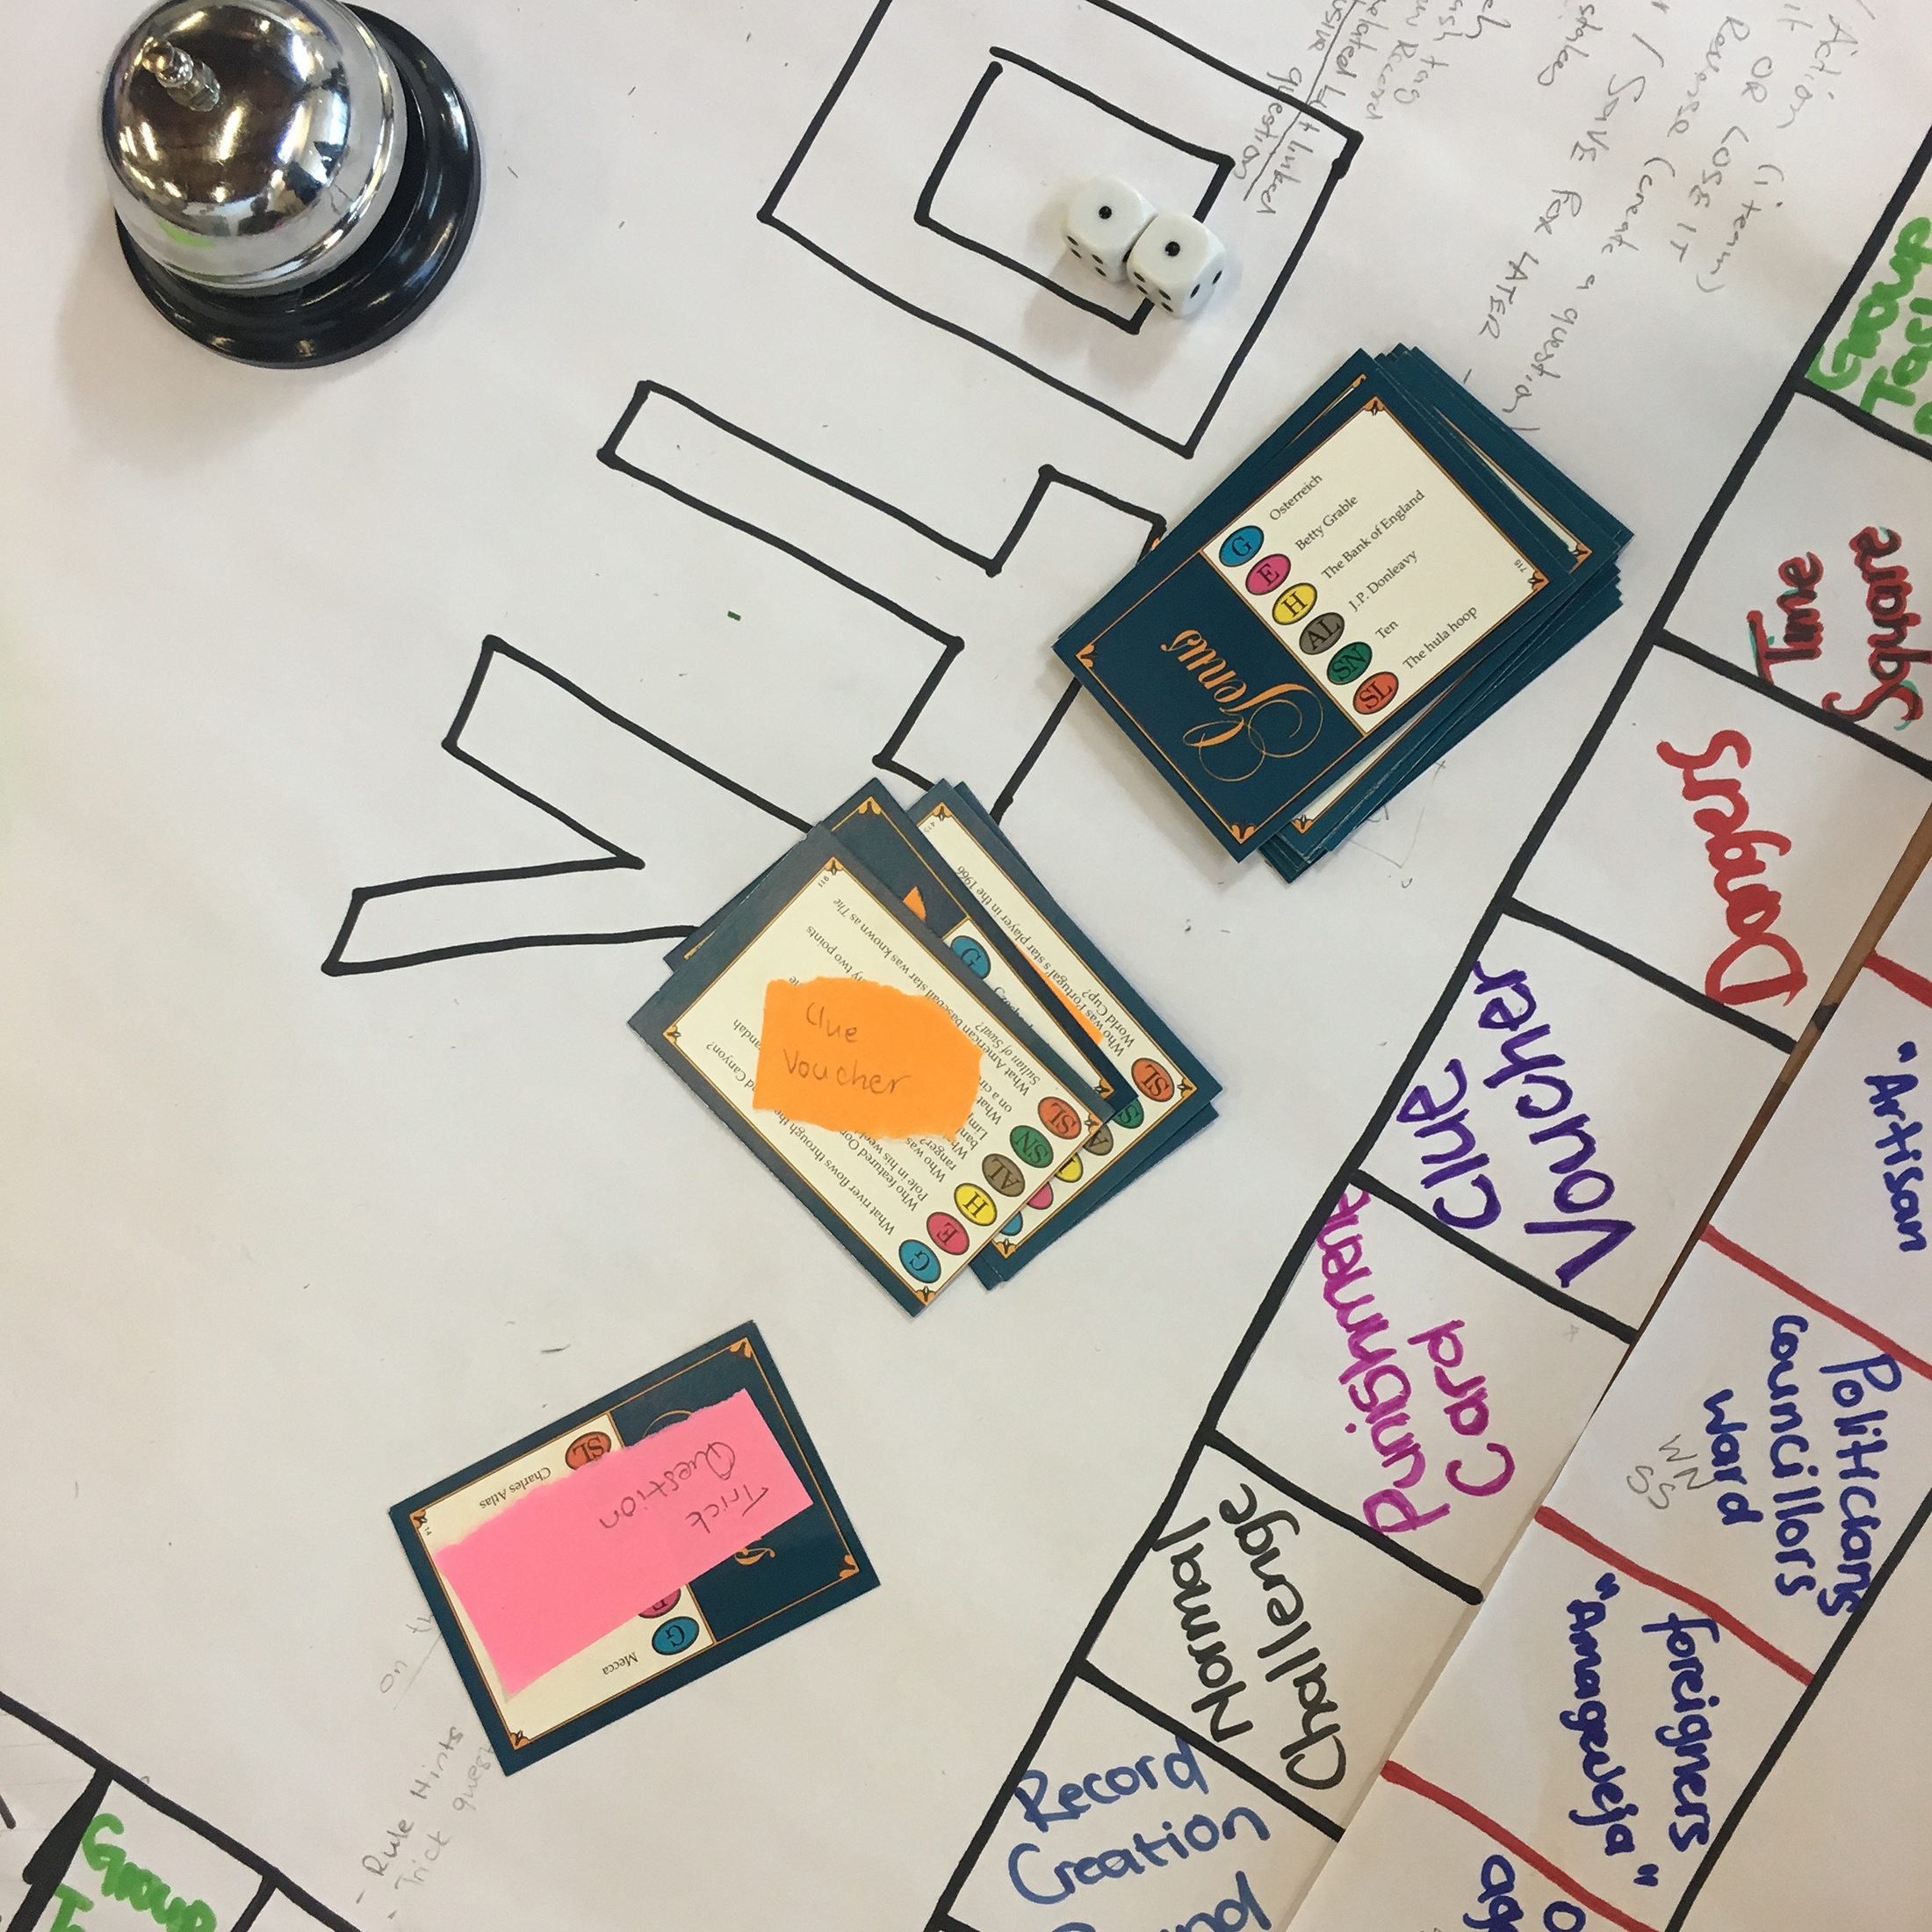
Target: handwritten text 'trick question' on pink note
(576,1559)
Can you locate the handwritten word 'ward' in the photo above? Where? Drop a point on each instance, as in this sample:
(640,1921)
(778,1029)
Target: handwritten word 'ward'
(857,1057)
(1751,909)
(578,1558)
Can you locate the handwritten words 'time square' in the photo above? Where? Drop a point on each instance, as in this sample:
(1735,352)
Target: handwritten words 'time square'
(577,1558)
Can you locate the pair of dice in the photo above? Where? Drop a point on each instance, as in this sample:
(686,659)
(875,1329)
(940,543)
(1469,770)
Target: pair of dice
(1114,229)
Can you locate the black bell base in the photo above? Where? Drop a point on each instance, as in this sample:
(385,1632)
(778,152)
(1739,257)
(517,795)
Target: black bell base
(390,279)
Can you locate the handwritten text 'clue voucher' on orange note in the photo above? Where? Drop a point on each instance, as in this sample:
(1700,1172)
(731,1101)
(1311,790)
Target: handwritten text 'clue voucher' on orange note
(861,1058)
(572,1560)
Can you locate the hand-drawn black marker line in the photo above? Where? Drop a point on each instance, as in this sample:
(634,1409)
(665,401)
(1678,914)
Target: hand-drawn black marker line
(1098,1680)
(1641,969)
(1558,1298)
(48,1865)
(1890,432)
(922,212)
(43,1873)
(1655,638)
(1183,446)
(6,1817)
(993,563)
(615,857)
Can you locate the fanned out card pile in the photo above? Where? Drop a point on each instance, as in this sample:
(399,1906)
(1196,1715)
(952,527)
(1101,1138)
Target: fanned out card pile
(1392,565)
(1081,1088)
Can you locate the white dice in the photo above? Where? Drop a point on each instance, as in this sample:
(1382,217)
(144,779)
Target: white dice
(1103,219)
(1176,262)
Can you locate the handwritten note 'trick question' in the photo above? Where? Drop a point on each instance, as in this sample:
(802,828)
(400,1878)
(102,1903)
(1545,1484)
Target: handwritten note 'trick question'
(858,1057)
(574,1559)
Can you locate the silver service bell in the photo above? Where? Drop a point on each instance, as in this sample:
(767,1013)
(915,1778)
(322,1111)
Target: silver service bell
(293,180)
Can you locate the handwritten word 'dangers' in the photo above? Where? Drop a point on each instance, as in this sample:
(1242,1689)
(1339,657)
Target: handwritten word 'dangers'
(1750,909)
(857,1057)
(578,1558)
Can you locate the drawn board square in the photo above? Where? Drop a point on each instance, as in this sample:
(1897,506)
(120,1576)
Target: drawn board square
(918,63)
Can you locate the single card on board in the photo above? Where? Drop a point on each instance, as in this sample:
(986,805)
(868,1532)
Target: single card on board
(912,1212)
(1363,561)
(650,1538)
(1172,1092)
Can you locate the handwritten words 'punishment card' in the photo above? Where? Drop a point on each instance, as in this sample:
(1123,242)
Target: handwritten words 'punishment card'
(570,1561)
(862,1058)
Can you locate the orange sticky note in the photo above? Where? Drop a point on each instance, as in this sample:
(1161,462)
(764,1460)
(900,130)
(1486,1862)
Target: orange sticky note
(862,1058)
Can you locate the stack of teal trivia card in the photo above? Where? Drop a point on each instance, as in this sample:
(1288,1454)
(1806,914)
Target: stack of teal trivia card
(1082,1087)
(1388,568)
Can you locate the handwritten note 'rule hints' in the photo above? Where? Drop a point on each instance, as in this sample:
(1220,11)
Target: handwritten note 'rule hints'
(858,1057)
(574,1559)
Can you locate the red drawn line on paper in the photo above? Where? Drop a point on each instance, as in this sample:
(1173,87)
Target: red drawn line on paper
(1777,1278)
(1400,1774)
(1903,978)
(1571,1532)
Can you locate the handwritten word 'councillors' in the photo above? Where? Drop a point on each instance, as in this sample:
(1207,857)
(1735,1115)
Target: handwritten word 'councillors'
(857,1057)
(1751,909)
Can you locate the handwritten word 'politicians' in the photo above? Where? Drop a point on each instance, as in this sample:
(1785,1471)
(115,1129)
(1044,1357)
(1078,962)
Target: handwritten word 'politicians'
(577,1558)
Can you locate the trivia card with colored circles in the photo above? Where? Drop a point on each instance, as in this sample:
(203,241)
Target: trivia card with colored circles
(864,1062)
(653,1536)
(1388,567)
(1170,1094)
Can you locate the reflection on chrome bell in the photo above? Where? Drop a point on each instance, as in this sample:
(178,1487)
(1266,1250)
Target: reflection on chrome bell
(293,180)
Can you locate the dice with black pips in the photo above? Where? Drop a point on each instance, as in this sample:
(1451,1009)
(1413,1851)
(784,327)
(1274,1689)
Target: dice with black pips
(1176,262)
(1104,217)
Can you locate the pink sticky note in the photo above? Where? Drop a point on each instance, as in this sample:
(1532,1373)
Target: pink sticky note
(578,1558)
